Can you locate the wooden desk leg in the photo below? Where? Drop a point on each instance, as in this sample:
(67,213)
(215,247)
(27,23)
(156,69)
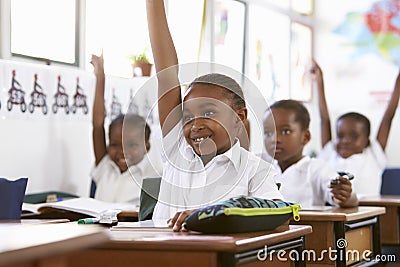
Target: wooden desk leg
(300,249)
(341,250)
(376,231)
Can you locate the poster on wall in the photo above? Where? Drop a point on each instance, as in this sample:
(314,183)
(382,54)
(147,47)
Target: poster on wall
(61,98)
(37,91)
(124,96)
(375,30)
(229,32)
(16,80)
(72,94)
(268,65)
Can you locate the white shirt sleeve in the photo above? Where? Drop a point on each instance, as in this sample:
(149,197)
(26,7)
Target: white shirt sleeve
(378,153)
(98,171)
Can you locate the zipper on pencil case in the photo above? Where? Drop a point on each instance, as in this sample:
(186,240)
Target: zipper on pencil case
(265,211)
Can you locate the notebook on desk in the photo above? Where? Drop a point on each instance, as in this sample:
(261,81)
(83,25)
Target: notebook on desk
(74,209)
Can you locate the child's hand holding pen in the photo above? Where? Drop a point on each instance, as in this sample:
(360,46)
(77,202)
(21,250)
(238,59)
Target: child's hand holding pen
(341,187)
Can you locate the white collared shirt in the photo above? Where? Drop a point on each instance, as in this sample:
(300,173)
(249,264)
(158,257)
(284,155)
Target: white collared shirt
(114,186)
(188,184)
(367,167)
(306,182)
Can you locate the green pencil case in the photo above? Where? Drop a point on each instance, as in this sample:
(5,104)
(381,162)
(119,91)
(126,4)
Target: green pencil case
(242,214)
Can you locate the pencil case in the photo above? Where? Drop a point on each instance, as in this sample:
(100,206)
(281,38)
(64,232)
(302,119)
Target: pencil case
(242,214)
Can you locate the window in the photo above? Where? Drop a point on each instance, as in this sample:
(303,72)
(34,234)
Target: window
(45,29)
(119,28)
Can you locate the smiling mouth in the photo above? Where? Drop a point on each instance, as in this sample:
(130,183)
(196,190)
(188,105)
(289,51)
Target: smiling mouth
(198,140)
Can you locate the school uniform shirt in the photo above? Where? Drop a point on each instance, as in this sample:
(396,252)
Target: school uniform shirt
(114,186)
(367,167)
(188,184)
(306,182)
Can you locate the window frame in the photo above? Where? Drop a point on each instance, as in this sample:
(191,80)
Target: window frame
(5,9)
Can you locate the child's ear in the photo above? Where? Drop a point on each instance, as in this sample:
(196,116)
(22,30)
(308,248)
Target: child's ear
(241,114)
(147,146)
(306,137)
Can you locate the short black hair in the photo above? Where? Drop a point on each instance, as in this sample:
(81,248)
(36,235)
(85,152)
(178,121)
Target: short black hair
(233,89)
(359,118)
(302,114)
(132,119)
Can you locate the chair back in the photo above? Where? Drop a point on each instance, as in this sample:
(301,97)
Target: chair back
(11,198)
(148,197)
(390,181)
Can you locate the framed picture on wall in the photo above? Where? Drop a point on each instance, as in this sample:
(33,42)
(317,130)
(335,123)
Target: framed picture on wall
(229,33)
(268,57)
(301,54)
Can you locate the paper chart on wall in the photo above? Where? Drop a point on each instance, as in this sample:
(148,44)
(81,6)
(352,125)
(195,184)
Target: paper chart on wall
(132,96)
(31,91)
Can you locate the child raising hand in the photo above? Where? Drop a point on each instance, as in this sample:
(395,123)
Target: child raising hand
(120,166)
(203,160)
(304,180)
(352,150)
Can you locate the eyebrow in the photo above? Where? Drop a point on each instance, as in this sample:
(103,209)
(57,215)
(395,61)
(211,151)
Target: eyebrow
(205,105)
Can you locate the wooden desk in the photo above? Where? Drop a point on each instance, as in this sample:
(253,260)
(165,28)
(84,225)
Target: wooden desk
(162,247)
(390,233)
(359,227)
(35,244)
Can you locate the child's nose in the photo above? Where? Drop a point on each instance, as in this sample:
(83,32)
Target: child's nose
(346,140)
(197,124)
(276,137)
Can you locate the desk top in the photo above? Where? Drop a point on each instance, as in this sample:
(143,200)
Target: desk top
(340,214)
(32,240)
(161,239)
(380,200)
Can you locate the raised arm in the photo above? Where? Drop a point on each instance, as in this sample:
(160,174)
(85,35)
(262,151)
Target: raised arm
(166,62)
(386,123)
(99,136)
(326,134)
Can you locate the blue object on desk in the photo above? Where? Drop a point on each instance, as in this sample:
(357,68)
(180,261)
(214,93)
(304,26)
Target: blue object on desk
(11,197)
(391,181)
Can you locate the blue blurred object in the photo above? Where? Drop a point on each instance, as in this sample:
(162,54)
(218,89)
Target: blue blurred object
(93,187)
(391,182)
(11,197)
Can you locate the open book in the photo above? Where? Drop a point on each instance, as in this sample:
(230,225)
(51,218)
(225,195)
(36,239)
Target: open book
(80,207)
